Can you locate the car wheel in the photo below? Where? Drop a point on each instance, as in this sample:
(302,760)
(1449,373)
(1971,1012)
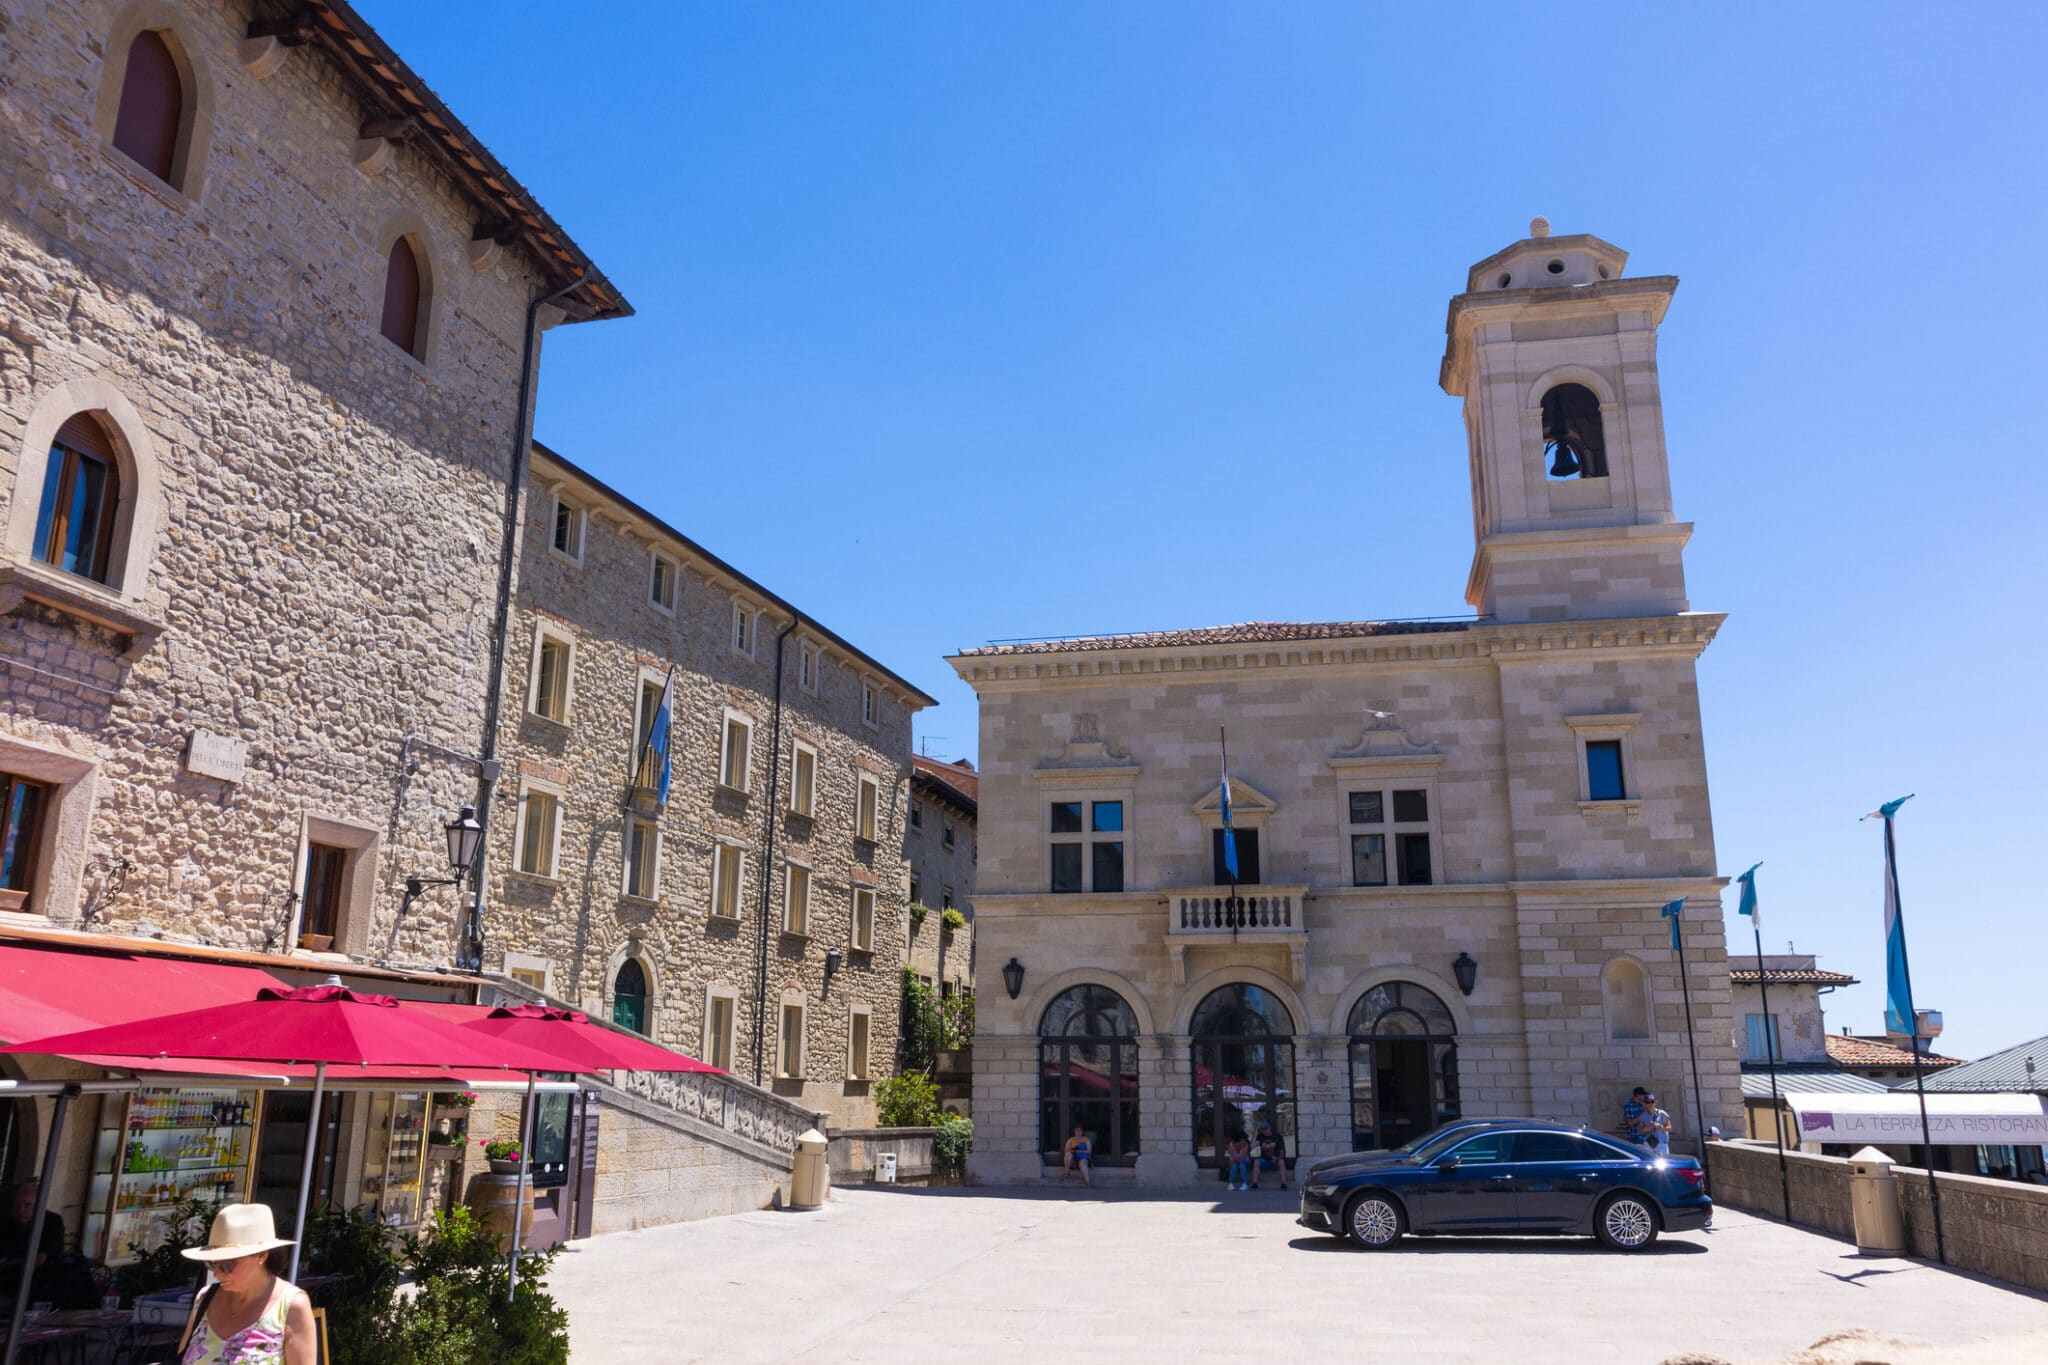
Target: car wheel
(1374,1221)
(1626,1222)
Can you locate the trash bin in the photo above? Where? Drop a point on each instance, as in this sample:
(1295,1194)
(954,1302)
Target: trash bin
(1874,1204)
(812,1177)
(885,1168)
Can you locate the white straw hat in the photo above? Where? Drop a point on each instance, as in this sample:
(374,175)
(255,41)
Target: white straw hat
(239,1230)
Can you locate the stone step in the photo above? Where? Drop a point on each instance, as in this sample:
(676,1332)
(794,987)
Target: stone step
(1107,1175)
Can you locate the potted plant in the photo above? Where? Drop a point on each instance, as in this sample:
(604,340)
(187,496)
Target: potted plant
(456,1099)
(503,1154)
(443,1146)
(316,943)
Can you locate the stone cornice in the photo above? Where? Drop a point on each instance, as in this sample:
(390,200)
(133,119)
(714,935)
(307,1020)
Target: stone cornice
(1576,891)
(1480,643)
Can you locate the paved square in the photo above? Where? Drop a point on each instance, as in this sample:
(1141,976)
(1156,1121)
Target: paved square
(1049,1277)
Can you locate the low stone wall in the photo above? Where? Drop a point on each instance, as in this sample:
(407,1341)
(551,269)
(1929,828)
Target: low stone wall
(1993,1227)
(854,1150)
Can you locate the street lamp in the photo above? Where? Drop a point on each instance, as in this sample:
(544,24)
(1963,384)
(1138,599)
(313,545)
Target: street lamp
(464,834)
(1013,977)
(1466,969)
(834,960)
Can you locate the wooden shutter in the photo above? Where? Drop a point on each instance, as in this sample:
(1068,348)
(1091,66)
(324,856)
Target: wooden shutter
(402,297)
(152,106)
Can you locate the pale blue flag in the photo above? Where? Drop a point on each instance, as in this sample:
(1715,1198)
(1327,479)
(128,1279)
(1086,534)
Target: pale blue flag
(1898,987)
(1748,906)
(1671,912)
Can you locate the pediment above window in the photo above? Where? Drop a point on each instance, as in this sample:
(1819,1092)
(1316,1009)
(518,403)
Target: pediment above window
(1247,803)
(1384,743)
(1086,757)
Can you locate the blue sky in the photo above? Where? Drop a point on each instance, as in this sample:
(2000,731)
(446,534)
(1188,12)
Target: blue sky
(1061,318)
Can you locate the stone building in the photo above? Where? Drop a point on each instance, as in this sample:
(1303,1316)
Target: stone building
(1453,838)
(758,918)
(1794,1027)
(938,843)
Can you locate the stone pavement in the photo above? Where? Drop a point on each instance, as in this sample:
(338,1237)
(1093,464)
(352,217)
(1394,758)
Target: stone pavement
(1050,1276)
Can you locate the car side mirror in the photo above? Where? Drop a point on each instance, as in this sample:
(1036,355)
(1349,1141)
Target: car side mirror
(1450,1163)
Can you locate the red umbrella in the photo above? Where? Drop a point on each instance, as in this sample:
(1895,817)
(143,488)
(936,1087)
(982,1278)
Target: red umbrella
(319,1024)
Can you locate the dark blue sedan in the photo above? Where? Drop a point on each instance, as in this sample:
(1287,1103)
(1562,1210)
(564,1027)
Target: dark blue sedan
(1507,1176)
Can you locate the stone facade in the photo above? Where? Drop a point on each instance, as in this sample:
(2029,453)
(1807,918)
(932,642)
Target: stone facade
(1464,765)
(574,929)
(939,845)
(1795,985)
(294,630)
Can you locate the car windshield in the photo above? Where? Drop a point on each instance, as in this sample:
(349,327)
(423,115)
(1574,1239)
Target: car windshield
(1429,1144)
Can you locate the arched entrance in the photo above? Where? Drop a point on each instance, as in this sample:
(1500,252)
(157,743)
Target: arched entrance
(1243,1055)
(1088,1075)
(629,996)
(1404,1065)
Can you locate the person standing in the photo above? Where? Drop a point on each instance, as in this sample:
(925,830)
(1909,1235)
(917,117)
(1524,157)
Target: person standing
(249,1315)
(1656,1125)
(1077,1157)
(1632,1116)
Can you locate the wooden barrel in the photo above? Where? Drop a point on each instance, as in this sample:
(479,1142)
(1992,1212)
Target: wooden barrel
(494,1197)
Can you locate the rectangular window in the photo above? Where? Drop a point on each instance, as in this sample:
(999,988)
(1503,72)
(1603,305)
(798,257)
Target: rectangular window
(1761,1032)
(1109,865)
(857,1047)
(1094,844)
(535,978)
(1107,817)
(718,1029)
(661,582)
(643,858)
(75,523)
(947,837)
(1411,807)
(1247,857)
(796,899)
(789,1061)
(864,919)
(946,898)
(743,629)
(803,779)
(568,530)
(727,864)
(807,668)
(1066,867)
(1603,770)
(865,818)
(1367,808)
(1414,851)
(916,887)
(550,692)
(324,889)
(734,762)
(646,764)
(1368,860)
(1066,817)
(870,706)
(917,815)
(537,832)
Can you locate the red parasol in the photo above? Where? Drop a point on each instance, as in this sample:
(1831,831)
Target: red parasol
(571,1035)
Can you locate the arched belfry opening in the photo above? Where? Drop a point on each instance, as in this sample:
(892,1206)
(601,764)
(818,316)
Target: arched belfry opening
(1573,439)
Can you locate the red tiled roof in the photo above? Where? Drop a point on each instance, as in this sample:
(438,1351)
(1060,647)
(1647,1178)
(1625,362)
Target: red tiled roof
(1847,1050)
(1791,976)
(959,774)
(1245,633)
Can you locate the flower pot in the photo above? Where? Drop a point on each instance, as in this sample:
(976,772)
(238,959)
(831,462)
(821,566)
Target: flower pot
(446,1151)
(13,900)
(510,1167)
(317,943)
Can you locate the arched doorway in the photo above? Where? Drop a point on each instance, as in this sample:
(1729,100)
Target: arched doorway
(1088,1074)
(629,996)
(1404,1065)
(1243,1054)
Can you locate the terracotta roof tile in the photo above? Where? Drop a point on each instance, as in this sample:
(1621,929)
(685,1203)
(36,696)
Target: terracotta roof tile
(1791,976)
(1846,1050)
(1244,633)
(959,775)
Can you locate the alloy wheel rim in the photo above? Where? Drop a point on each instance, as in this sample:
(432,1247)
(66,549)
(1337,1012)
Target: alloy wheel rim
(1374,1222)
(1628,1222)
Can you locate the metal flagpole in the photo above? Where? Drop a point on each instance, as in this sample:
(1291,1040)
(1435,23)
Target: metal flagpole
(1748,880)
(1699,1105)
(1896,964)
(1231,909)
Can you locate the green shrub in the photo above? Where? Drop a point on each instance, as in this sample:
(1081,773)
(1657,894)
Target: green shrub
(952,1143)
(908,1099)
(352,1244)
(461,1314)
(184,1224)
(953,919)
(918,910)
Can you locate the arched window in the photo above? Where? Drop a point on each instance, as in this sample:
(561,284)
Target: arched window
(403,294)
(81,495)
(629,996)
(152,106)
(1088,1074)
(1243,1070)
(1572,435)
(1625,988)
(1404,1065)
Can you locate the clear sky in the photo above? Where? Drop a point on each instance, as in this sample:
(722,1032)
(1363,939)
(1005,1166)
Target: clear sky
(1046,319)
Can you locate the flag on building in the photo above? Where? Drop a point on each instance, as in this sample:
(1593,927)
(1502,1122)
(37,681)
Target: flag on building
(1671,912)
(655,759)
(1748,906)
(1229,834)
(1898,986)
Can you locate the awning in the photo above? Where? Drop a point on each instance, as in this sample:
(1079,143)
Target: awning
(1894,1118)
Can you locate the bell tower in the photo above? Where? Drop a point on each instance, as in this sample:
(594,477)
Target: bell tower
(1555,355)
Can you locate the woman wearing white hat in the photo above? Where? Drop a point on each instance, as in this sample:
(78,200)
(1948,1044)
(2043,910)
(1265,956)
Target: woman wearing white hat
(249,1315)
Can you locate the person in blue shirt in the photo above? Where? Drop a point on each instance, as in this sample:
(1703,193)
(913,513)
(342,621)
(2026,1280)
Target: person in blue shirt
(1632,1118)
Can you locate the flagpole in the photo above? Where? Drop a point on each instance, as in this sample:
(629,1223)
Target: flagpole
(1912,1021)
(1699,1105)
(1771,1065)
(1231,910)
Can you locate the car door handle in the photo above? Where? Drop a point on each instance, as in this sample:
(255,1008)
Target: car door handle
(1498,1179)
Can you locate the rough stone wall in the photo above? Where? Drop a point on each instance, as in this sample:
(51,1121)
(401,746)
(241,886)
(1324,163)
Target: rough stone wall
(581,924)
(1802,1026)
(326,542)
(935,953)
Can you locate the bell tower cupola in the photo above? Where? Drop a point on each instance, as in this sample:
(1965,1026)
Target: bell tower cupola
(1554,351)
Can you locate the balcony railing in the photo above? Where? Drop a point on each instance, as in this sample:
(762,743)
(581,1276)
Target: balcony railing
(1252,909)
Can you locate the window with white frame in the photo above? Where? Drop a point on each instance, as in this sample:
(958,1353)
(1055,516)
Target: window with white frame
(554,671)
(1087,844)
(858,1031)
(803,779)
(1389,831)
(728,865)
(1606,759)
(796,899)
(566,530)
(863,938)
(643,858)
(789,1054)
(661,581)
(540,830)
(807,667)
(646,764)
(721,1014)
(870,706)
(867,813)
(743,623)
(735,757)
